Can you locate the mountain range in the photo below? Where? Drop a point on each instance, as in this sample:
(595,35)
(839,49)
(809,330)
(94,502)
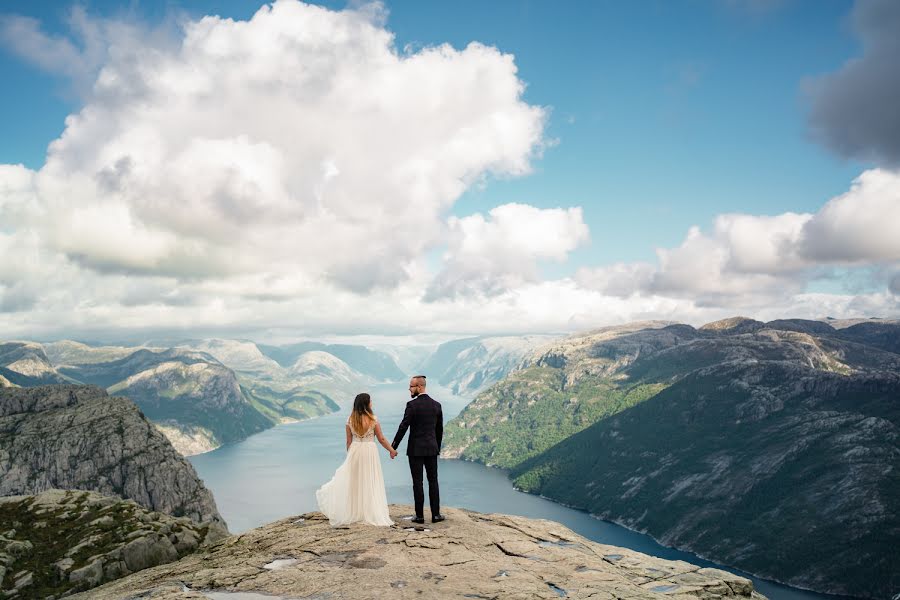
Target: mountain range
(469,365)
(202,393)
(205,393)
(96,503)
(772,447)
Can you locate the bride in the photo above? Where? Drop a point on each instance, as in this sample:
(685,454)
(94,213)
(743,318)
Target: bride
(356,492)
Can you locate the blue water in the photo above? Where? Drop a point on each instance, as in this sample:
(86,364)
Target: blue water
(275,474)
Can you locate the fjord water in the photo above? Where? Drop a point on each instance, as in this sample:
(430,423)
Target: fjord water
(274,474)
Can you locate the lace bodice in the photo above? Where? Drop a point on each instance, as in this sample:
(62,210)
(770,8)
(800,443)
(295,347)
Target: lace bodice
(369,436)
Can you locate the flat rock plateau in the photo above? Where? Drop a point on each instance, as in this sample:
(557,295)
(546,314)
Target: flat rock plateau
(470,555)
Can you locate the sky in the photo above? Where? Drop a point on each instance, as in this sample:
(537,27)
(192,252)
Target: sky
(406,168)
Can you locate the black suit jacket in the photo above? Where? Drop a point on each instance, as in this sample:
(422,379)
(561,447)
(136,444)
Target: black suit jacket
(425,421)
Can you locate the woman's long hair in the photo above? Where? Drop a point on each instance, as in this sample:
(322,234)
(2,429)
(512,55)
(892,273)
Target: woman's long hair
(362,408)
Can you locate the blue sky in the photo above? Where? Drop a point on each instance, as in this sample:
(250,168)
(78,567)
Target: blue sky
(666,113)
(661,117)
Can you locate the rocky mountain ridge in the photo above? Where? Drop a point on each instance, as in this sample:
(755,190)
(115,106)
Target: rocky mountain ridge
(25,363)
(798,467)
(80,438)
(371,362)
(791,426)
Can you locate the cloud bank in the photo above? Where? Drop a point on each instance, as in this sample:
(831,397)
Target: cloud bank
(750,260)
(297,172)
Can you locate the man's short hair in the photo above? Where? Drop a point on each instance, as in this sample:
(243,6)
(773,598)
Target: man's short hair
(420,378)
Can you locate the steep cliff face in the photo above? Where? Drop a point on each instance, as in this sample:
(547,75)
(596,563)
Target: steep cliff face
(771,467)
(785,434)
(79,437)
(63,541)
(470,555)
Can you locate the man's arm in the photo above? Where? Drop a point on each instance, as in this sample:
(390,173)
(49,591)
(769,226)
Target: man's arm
(439,426)
(404,425)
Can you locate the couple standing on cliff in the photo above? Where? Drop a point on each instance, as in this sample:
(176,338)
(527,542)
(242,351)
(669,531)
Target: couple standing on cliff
(356,492)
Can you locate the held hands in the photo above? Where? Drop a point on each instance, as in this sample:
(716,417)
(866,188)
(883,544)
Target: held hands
(393,454)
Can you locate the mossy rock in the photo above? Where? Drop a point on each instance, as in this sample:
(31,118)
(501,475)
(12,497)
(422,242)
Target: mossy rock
(83,539)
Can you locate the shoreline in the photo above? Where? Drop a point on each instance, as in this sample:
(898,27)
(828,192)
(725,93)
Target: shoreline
(274,425)
(282,421)
(718,564)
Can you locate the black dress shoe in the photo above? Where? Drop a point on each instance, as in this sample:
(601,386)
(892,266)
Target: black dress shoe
(418,520)
(437,518)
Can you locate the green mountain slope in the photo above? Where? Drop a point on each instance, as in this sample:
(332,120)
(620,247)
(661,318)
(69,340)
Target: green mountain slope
(200,395)
(534,409)
(567,386)
(284,407)
(773,447)
(771,467)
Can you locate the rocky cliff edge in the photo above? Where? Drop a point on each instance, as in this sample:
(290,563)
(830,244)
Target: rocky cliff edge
(79,437)
(469,555)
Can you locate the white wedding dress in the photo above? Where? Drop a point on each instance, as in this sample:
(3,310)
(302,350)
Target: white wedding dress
(356,492)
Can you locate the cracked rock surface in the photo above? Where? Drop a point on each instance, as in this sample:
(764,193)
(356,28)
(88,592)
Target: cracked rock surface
(470,555)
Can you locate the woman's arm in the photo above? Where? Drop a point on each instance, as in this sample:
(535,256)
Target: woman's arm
(383,441)
(349,435)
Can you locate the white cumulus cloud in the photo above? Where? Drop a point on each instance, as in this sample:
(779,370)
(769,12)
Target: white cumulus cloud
(860,226)
(301,139)
(501,252)
(753,261)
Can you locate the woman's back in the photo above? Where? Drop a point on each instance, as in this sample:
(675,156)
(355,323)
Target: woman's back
(368,426)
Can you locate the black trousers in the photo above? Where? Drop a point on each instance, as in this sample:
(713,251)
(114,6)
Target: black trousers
(434,495)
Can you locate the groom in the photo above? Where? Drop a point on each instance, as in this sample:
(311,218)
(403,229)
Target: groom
(424,419)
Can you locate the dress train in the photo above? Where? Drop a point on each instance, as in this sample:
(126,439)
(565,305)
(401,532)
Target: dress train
(356,491)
